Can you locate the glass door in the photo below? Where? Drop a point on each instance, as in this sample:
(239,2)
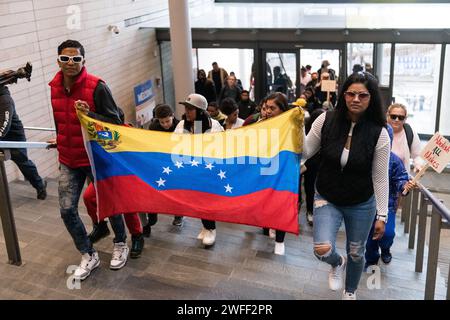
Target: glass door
(281,73)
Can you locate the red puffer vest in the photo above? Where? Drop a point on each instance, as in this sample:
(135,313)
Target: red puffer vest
(69,137)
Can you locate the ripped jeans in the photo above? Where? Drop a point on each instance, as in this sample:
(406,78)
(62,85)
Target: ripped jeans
(71,183)
(358,220)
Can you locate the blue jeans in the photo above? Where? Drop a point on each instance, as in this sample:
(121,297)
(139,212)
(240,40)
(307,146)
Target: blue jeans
(385,243)
(358,219)
(71,182)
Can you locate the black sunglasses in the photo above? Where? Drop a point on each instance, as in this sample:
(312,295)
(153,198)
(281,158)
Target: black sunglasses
(395,117)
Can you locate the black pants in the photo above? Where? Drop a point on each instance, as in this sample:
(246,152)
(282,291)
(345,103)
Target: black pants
(312,167)
(27,167)
(153,218)
(208,224)
(279,235)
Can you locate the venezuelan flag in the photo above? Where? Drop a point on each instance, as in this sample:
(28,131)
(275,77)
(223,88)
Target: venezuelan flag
(247,176)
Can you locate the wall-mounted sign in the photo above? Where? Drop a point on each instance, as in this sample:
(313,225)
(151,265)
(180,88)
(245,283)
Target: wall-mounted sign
(143,93)
(143,98)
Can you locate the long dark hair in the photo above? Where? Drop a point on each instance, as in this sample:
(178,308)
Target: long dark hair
(202,116)
(376,112)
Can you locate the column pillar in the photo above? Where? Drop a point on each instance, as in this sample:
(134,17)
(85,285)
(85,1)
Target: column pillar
(181,44)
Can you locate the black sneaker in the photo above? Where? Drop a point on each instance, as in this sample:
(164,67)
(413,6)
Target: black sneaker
(42,192)
(178,221)
(137,244)
(386,257)
(147,230)
(100,230)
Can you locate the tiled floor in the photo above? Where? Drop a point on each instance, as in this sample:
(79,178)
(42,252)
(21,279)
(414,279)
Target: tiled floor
(174,265)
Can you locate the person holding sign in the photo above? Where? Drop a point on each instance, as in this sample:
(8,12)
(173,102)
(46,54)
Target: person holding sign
(326,90)
(406,143)
(352,182)
(398,182)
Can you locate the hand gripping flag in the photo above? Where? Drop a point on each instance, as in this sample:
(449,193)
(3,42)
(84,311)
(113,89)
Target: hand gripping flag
(247,176)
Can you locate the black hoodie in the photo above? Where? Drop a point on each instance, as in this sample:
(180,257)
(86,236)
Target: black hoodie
(11,128)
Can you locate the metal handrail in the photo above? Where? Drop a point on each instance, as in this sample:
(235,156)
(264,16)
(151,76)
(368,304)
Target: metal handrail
(441,208)
(440,215)
(6,211)
(23,145)
(39,129)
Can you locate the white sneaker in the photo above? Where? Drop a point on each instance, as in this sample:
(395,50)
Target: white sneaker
(119,256)
(335,277)
(279,248)
(348,296)
(202,233)
(87,265)
(209,237)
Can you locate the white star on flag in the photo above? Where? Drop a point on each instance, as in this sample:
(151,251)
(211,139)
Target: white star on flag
(167,170)
(209,166)
(161,182)
(194,163)
(222,174)
(228,188)
(179,164)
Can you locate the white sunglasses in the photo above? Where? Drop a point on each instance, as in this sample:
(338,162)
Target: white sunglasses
(75,59)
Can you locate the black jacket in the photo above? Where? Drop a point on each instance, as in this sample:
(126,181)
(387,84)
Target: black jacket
(154,125)
(11,128)
(352,184)
(246,109)
(206,88)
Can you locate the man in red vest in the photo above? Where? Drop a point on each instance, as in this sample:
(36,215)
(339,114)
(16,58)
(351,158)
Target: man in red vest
(73,84)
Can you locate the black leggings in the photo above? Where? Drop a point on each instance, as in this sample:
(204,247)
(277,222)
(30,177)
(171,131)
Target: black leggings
(312,167)
(208,224)
(279,235)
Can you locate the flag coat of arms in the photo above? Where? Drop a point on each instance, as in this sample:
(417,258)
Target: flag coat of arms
(249,175)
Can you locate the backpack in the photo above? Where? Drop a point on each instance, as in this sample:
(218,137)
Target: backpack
(409,135)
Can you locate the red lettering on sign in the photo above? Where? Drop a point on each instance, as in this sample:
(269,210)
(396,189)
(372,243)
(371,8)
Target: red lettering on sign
(442,143)
(430,159)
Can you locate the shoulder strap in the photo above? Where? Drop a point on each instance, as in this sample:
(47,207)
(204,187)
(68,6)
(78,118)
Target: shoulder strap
(409,134)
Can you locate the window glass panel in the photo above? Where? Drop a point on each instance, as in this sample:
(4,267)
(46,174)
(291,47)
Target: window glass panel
(238,60)
(360,53)
(383,63)
(281,73)
(416,78)
(444,124)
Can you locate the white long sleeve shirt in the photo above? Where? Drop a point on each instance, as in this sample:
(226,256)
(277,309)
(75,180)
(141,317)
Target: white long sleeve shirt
(401,149)
(380,165)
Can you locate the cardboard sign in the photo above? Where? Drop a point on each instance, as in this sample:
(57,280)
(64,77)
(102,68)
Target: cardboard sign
(437,152)
(328,85)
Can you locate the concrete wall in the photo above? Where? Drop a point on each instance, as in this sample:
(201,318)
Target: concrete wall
(32,30)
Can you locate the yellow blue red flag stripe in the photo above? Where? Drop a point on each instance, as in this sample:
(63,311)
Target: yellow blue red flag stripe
(248,175)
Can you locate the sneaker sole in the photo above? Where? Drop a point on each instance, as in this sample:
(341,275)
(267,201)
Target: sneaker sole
(86,276)
(207,245)
(119,266)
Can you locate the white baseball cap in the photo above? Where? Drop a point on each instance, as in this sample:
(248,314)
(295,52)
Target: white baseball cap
(197,101)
